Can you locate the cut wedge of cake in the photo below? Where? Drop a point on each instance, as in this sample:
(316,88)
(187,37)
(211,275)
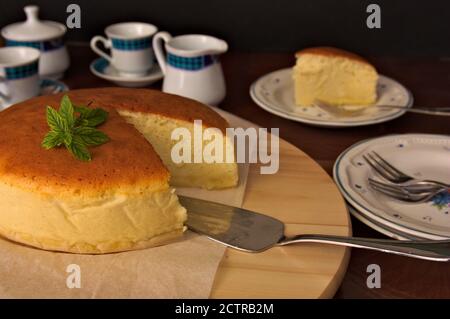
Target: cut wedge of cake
(334,76)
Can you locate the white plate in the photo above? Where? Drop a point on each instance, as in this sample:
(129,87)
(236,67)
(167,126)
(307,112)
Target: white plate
(423,156)
(274,92)
(103,69)
(47,87)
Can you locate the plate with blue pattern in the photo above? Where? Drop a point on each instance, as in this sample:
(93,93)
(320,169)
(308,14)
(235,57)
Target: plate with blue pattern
(103,69)
(47,87)
(274,92)
(423,156)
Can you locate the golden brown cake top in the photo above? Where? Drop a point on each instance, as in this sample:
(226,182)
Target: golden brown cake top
(333,52)
(150,101)
(127,163)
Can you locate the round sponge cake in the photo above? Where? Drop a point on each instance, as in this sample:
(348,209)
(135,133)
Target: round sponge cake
(118,201)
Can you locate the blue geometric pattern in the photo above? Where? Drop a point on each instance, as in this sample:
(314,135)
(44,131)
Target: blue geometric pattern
(132,45)
(20,72)
(40,45)
(191,64)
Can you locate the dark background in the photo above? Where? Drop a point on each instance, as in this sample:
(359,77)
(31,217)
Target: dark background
(409,28)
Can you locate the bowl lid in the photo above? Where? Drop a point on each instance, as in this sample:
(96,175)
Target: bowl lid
(33,29)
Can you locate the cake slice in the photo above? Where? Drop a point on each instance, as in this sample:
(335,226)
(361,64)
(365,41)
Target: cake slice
(333,76)
(156,115)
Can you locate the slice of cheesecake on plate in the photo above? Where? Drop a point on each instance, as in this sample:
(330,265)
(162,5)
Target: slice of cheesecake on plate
(334,76)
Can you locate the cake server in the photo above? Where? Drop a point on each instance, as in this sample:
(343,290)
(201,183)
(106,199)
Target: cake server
(254,232)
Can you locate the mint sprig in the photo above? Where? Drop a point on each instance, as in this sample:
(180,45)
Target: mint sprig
(76,133)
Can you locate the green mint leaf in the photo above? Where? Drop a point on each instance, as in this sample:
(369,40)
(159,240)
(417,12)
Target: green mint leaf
(67,138)
(78,149)
(52,139)
(75,133)
(96,117)
(90,117)
(55,121)
(83,110)
(66,110)
(91,136)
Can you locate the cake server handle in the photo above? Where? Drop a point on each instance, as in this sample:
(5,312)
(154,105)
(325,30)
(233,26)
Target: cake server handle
(435,250)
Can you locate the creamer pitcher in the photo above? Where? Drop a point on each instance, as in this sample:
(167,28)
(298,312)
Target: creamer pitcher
(191,66)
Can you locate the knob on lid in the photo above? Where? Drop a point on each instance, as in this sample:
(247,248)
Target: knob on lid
(33,29)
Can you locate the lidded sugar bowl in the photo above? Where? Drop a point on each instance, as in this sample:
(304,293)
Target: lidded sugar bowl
(47,36)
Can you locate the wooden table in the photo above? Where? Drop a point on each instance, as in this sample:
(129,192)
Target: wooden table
(429,81)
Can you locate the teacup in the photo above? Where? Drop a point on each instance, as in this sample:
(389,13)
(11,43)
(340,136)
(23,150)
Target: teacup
(131,47)
(19,78)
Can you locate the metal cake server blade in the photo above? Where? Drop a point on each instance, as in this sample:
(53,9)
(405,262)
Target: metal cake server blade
(248,231)
(235,227)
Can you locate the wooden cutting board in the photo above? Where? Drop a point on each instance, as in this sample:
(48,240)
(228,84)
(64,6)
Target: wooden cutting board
(305,198)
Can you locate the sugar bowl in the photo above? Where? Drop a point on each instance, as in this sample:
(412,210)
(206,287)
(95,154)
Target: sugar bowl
(46,36)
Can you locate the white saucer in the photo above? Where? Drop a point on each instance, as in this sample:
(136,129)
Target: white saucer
(47,87)
(103,69)
(424,156)
(274,92)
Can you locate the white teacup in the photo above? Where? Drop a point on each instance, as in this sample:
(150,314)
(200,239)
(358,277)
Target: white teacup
(19,78)
(131,47)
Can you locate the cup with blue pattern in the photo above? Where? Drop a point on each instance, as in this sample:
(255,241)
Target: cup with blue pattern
(19,78)
(131,47)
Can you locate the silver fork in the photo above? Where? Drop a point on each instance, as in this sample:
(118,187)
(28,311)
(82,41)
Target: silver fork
(353,110)
(394,175)
(402,193)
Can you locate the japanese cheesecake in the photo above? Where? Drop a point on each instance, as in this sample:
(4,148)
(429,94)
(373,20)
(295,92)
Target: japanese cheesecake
(333,76)
(121,199)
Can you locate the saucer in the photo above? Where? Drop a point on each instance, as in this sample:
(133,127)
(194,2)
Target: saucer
(47,87)
(103,69)
(274,92)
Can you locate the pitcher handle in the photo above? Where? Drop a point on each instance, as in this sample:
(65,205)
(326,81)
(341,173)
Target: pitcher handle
(158,48)
(107,44)
(3,95)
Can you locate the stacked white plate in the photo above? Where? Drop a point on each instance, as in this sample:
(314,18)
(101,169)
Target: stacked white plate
(422,156)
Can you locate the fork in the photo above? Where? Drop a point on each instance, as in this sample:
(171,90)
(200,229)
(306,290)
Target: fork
(356,109)
(394,175)
(402,193)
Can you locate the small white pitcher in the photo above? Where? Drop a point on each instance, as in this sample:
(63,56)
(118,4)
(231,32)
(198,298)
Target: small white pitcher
(191,67)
